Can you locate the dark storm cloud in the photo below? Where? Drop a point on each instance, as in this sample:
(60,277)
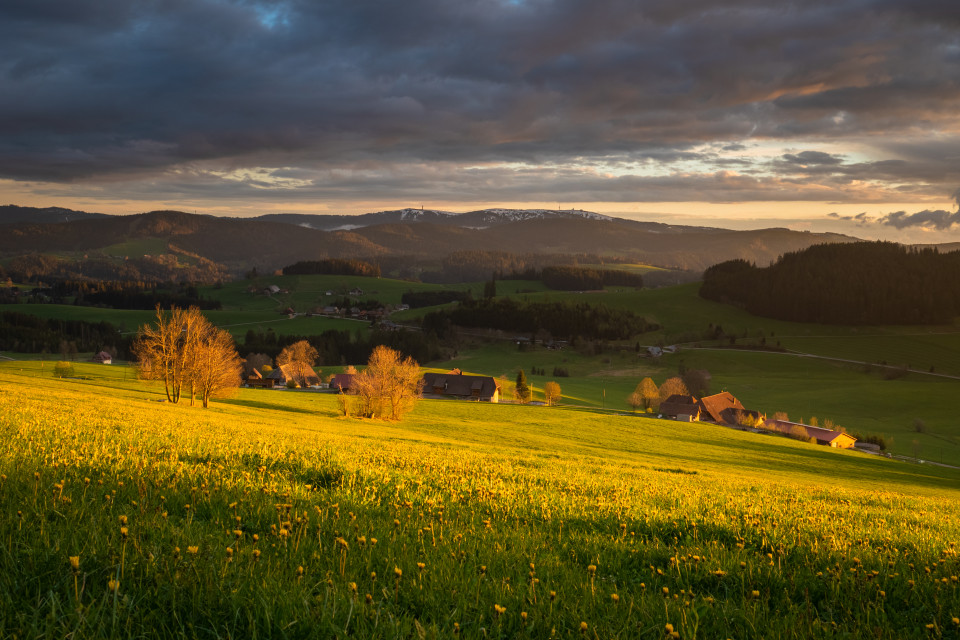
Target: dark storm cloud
(938,220)
(113,88)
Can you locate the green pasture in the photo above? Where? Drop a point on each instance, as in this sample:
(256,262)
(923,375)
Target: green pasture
(307,292)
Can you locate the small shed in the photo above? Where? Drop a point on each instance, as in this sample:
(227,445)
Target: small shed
(103,358)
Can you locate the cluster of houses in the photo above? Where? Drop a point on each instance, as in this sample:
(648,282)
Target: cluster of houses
(723,408)
(378,314)
(453,384)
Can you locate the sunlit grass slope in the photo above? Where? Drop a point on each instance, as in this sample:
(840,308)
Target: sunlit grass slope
(269,516)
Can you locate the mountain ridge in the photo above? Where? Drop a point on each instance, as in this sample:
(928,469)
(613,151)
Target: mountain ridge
(422,236)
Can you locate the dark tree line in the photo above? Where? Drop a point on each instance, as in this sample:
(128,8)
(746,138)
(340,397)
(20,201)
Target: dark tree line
(585,279)
(856,283)
(476,265)
(333,267)
(341,347)
(561,320)
(133,297)
(24,333)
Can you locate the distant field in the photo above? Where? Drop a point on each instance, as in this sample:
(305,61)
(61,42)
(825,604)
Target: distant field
(237,322)
(269,516)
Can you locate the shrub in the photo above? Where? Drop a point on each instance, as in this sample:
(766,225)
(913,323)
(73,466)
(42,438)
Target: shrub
(63,369)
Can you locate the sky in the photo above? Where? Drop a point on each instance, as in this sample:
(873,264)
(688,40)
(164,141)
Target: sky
(824,115)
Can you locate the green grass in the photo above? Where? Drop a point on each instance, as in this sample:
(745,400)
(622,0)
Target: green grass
(257,518)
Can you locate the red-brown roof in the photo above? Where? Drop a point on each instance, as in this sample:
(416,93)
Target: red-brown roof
(677,405)
(447,384)
(720,406)
(821,435)
(342,382)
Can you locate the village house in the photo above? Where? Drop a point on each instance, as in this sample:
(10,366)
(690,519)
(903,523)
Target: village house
(724,408)
(456,385)
(681,407)
(257,380)
(284,373)
(826,437)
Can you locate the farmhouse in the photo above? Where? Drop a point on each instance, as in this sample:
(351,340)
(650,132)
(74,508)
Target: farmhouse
(103,358)
(284,373)
(455,384)
(343,383)
(257,380)
(724,408)
(826,437)
(680,407)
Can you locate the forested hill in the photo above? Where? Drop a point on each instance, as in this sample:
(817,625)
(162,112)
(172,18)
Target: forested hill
(866,283)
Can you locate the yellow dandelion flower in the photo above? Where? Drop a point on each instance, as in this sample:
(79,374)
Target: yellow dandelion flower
(754,594)
(591,569)
(113,585)
(668,628)
(75,563)
(193,550)
(666,591)
(583,627)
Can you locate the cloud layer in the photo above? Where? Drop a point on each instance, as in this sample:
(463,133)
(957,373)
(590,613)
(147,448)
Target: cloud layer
(580,100)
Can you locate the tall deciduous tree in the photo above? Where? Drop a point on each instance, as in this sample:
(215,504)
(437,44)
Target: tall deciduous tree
(673,387)
(187,352)
(302,356)
(215,366)
(648,395)
(390,386)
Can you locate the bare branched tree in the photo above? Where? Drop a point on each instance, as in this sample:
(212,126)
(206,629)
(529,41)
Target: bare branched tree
(188,353)
(389,386)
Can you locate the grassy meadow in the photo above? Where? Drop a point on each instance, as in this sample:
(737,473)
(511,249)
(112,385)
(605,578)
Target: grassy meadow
(268,515)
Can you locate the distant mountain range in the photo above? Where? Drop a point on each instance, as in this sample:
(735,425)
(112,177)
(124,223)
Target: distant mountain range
(276,240)
(481,219)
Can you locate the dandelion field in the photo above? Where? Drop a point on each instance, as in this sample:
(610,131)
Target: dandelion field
(268,516)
